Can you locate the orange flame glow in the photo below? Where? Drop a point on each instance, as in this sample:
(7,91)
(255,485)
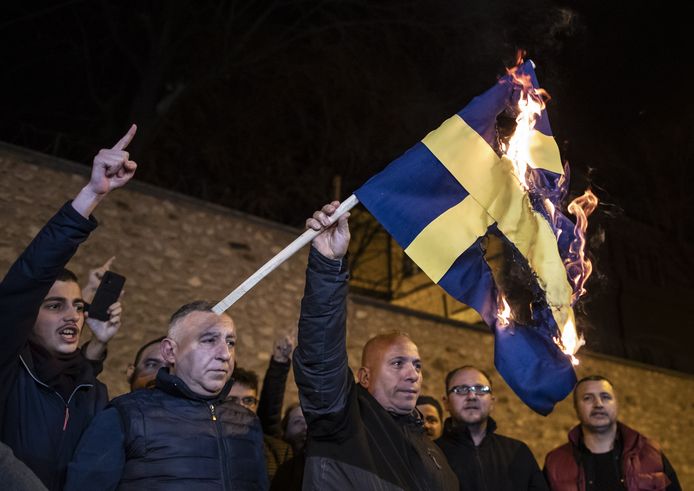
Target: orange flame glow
(531,103)
(570,341)
(530,106)
(580,270)
(503,316)
(518,149)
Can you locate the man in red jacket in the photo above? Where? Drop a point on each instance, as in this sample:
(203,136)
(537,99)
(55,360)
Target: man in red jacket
(603,453)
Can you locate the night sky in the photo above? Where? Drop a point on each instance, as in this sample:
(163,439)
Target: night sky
(259,105)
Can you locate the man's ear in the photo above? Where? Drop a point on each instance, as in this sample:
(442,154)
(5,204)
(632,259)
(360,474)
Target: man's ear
(446,404)
(129,372)
(363,376)
(168,350)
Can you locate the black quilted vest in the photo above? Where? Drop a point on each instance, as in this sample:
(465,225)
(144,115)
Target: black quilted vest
(175,440)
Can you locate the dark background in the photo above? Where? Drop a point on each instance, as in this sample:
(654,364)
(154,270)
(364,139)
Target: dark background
(258,105)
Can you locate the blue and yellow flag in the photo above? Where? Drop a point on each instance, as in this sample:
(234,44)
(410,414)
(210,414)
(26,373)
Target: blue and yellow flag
(445,194)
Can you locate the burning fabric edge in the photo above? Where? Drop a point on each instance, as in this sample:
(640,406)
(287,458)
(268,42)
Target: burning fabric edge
(444,195)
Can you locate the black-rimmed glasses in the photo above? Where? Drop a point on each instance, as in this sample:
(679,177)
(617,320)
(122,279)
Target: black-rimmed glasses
(463,390)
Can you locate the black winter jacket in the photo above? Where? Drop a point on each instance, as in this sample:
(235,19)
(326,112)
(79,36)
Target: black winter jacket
(41,426)
(277,451)
(353,442)
(499,463)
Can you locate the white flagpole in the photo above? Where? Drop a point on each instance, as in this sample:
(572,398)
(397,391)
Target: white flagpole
(281,257)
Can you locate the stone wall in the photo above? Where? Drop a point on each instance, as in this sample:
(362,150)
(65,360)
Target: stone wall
(173,249)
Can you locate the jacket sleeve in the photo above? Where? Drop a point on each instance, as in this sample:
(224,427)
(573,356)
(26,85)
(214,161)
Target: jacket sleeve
(28,281)
(527,465)
(100,455)
(320,360)
(15,474)
(272,397)
(671,474)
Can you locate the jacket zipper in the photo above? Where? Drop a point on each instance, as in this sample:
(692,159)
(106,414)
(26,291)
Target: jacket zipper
(433,457)
(66,418)
(479,467)
(222,447)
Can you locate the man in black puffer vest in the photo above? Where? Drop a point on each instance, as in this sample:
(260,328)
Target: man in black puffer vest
(184,434)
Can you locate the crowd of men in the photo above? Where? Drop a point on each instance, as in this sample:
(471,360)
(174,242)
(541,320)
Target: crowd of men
(195,421)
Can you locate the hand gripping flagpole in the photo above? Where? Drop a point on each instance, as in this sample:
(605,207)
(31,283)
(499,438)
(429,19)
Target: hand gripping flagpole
(281,257)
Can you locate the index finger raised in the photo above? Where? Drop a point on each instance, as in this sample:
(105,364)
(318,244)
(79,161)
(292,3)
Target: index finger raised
(125,141)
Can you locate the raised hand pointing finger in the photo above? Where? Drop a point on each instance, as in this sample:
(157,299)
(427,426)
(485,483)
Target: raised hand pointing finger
(125,141)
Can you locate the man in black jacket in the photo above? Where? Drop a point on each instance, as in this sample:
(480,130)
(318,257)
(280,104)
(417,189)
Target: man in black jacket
(142,372)
(49,392)
(483,459)
(366,435)
(245,393)
(184,433)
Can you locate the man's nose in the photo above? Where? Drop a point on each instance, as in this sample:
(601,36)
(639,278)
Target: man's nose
(412,373)
(72,313)
(224,352)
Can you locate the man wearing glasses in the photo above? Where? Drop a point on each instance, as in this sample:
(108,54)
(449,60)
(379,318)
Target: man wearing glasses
(483,459)
(244,392)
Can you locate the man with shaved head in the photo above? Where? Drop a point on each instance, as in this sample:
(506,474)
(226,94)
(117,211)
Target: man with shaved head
(604,453)
(368,434)
(184,433)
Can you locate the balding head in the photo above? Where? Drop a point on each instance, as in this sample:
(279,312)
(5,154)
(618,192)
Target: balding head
(391,371)
(374,348)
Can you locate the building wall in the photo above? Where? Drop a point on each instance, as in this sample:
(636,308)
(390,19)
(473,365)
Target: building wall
(173,249)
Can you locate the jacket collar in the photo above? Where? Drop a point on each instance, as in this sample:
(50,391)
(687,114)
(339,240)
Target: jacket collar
(174,386)
(628,439)
(414,418)
(86,377)
(459,431)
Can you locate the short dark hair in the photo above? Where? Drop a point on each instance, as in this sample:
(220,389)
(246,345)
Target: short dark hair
(245,377)
(138,355)
(196,306)
(67,275)
(431,401)
(591,378)
(450,374)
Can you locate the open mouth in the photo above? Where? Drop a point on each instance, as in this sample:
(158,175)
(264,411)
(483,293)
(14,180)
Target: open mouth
(69,334)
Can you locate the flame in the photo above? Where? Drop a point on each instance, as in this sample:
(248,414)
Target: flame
(570,341)
(531,103)
(503,316)
(552,210)
(580,268)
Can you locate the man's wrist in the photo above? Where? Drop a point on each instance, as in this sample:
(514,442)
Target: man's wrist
(95,349)
(86,200)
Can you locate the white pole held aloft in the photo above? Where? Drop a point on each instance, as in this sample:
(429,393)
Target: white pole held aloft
(281,257)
